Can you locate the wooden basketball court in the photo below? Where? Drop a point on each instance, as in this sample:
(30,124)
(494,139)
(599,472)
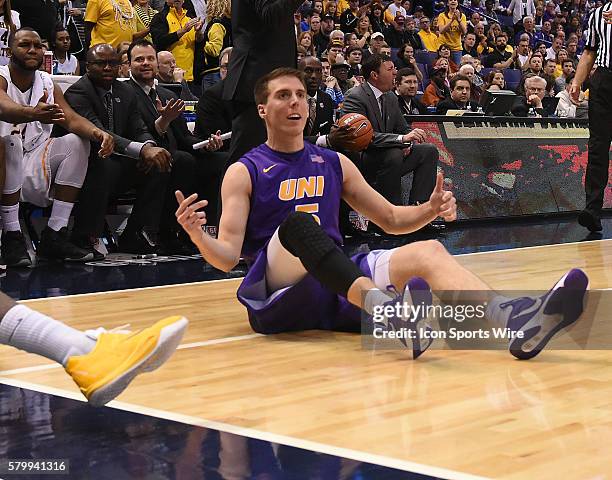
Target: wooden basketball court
(451,414)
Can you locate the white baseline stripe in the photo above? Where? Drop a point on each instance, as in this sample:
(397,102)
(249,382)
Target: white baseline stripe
(530,248)
(205,343)
(260,435)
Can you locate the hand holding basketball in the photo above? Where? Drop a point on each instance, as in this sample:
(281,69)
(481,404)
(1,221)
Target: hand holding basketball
(443,202)
(188,217)
(353,133)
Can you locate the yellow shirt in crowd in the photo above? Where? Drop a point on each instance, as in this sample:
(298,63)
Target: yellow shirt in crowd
(112,25)
(452,37)
(431,42)
(183,50)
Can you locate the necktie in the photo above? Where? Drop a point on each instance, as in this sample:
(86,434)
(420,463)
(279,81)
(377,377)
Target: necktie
(312,115)
(108,98)
(382,110)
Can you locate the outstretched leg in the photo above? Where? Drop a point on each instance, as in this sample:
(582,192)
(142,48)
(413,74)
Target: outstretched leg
(102,364)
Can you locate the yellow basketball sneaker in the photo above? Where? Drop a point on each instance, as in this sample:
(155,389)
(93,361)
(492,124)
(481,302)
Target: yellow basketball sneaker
(117,358)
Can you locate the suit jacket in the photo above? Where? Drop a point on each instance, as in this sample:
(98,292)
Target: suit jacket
(361,99)
(212,112)
(325,117)
(414,104)
(521,109)
(178,136)
(449,104)
(128,126)
(263,33)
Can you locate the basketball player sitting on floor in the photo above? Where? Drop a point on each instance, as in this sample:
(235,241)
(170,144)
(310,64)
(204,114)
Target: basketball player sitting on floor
(280,212)
(41,169)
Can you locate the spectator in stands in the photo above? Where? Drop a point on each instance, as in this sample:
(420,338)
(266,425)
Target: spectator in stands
(459,98)
(385,49)
(377,40)
(330,84)
(314,24)
(495,80)
(395,34)
(112,106)
(475,92)
(168,72)
(350,17)
(394,9)
(406,88)
(445,53)
(317,7)
(544,35)
(474,20)
(320,104)
(437,89)
(567,108)
(490,12)
(305,41)
(9,23)
(500,58)
(469,44)
(337,35)
(534,66)
(528,29)
(109,21)
(363,31)
(340,70)
(429,38)
(406,59)
(213,114)
(331,8)
(412,36)
(354,56)
(522,53)
(377,23)
(124,65)
(217,37)
(335,52)
(174,31)
(551,52)
(561,57)
(550,12)
(321,39)
(520,9)
(567,71)
(548,74)
(144,14)
(162,111)
(65,63)
(572,52)
(531,103)
(390,156)
(452,25)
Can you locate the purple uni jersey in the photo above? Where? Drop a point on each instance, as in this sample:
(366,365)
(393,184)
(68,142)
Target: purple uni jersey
(306,181)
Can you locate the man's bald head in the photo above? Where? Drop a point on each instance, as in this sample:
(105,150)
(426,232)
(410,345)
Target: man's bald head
(95,52)
(166,64)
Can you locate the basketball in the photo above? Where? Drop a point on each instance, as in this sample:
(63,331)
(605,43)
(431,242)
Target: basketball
(361,135)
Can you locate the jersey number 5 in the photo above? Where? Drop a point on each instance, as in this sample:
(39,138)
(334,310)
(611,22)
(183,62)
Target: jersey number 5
(311,208)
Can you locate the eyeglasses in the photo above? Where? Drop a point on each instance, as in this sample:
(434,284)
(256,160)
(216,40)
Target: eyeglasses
(103,63)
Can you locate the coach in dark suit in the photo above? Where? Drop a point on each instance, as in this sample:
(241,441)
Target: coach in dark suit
(213,113)
(393,152)
(137,161)
(192,170)
(263,33)
(320,104)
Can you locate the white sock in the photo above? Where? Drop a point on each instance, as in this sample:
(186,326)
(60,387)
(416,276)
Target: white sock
(497,316)
(374,298)
(29,330)
(10,218)
(60,214)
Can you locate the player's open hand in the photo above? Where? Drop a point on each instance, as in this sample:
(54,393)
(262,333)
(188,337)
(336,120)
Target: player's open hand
(443,202)
(45,112)
(188,216)
(106,141)
(171,110)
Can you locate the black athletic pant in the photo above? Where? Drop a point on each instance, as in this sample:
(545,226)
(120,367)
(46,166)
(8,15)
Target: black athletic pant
(600,129)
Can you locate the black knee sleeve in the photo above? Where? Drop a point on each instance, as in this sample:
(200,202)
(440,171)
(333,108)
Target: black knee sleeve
(304,238)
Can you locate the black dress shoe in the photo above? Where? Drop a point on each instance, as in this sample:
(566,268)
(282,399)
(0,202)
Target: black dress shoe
(590,221)
(137,241)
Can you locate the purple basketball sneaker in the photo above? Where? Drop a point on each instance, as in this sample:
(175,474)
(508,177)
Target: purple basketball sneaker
(540,318)
(409,322)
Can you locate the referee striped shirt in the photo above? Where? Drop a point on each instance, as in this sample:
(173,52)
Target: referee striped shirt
(599,36)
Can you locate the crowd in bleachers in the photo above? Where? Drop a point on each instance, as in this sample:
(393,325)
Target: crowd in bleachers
(445,56)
